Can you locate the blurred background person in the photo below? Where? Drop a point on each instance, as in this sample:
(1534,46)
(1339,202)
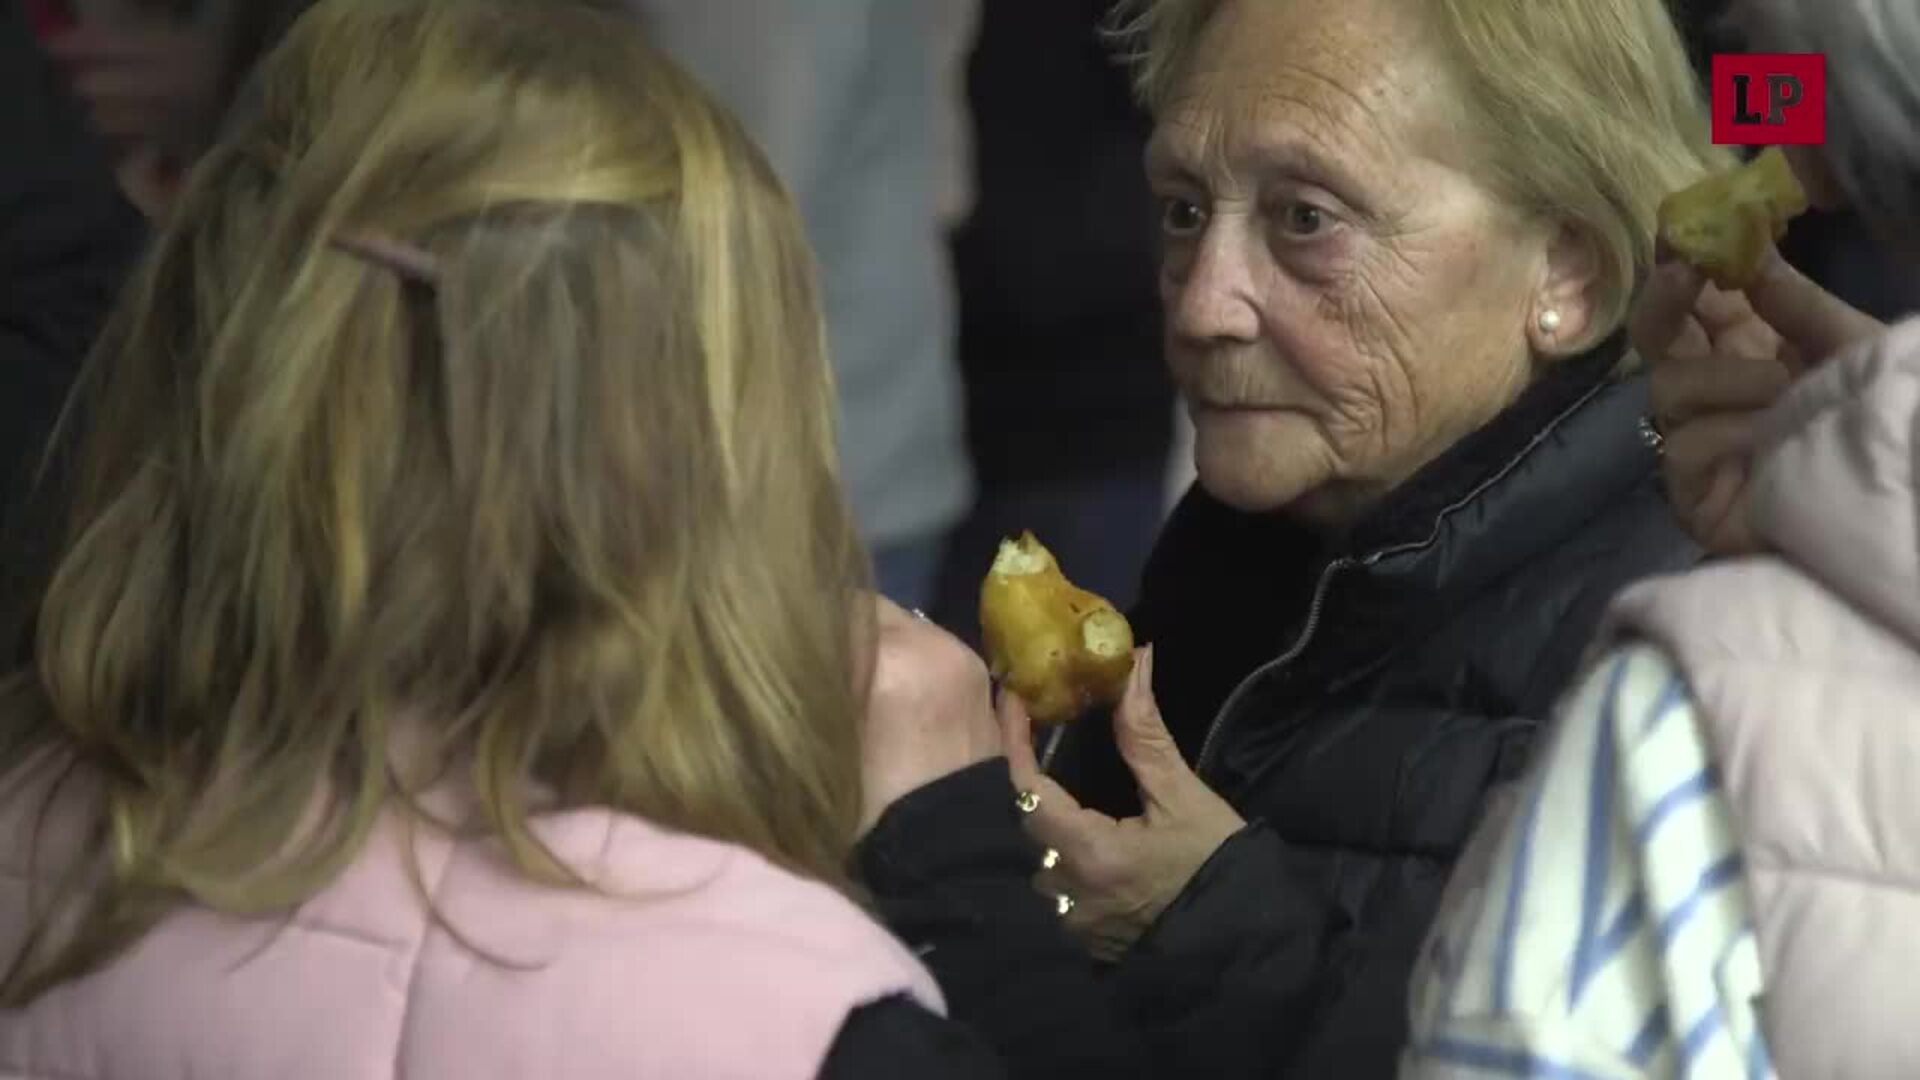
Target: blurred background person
(1713,869)
(381,640)
(148,72)
(68,237)
(858,104)
(1069,404)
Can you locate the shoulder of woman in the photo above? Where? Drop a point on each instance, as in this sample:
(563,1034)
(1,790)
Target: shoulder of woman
(641,880)
(732,958)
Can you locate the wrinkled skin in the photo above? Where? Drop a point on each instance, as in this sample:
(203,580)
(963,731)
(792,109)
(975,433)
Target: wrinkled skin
(1344,299)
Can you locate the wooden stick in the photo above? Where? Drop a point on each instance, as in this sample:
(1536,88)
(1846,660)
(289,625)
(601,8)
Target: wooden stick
(1051,746)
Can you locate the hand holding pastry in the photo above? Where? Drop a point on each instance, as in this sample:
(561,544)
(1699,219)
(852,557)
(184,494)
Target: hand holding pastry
(1111,878)
(1720,358)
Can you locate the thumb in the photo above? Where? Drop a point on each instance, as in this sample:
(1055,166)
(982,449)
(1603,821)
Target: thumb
(1141,733)
(1811,319)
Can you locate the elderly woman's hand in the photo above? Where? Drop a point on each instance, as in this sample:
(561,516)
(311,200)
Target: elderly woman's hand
(1120,875)
(1719,360)
(929,709)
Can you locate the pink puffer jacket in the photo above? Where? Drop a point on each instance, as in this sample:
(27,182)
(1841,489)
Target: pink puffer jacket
(694,960)
(1805,668)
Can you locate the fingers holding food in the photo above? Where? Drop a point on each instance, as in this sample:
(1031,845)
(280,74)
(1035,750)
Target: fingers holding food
(1059,647)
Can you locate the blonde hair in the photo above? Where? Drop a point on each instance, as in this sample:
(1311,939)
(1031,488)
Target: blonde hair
(564,518)
(1585,112)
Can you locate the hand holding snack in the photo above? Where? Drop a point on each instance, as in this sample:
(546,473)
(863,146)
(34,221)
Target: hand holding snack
(1121,874)
(1721,354)
(1060,648)
(1725,223)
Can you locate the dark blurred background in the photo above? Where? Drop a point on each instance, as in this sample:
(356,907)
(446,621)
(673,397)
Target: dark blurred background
(1070,417)
(1069,408)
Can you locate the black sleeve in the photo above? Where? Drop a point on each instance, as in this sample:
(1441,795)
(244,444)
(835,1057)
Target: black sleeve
(1225,981)
(950,873)
(899,1038)
(67,241)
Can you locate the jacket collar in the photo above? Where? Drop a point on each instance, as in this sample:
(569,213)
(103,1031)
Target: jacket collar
(1492,503)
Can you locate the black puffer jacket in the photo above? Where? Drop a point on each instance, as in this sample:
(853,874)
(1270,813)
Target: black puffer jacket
(1356,699)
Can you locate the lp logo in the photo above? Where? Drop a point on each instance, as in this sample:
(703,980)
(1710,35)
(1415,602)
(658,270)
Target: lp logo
(1783,92)
(1770,99)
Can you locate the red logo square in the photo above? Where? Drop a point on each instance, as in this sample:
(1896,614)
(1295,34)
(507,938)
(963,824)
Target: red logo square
(1769,99)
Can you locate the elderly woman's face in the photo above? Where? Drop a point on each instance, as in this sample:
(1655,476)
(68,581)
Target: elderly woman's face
(1344,301)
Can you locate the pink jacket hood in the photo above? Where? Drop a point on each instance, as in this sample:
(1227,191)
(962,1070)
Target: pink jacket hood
(1805,667)
(693,960)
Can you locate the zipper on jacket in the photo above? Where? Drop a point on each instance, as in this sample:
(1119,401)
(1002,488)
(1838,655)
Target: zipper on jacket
(1314,607)
(1300,643)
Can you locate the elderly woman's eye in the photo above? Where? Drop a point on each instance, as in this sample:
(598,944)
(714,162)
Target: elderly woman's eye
(1180,217)
(1303,219)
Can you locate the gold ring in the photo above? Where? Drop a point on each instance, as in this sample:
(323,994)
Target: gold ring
(1027,802)
(1062,904)
(1051,859)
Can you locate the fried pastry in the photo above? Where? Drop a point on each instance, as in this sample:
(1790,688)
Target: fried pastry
(1062,649)
(1723,224)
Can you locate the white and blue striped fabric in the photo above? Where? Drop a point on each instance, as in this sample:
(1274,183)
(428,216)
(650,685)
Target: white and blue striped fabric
(1600,927)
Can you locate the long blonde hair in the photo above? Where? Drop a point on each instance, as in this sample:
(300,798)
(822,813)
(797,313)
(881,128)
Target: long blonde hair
(566,514)
(1584,112)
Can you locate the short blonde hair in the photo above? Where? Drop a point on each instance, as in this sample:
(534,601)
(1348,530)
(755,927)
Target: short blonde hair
(1586,112)
(562,516)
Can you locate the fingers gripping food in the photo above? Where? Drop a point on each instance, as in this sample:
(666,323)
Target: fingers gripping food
(1061,648)
(1724,223)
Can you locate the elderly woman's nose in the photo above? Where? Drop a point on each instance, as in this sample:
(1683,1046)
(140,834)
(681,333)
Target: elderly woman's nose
(1212,295)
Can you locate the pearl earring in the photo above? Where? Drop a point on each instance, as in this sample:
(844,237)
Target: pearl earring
(1549,321)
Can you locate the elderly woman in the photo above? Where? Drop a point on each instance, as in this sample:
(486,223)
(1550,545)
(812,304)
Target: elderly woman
(1714,869)
(1400,239)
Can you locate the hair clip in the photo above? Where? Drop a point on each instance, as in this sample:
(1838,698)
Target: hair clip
(411,263)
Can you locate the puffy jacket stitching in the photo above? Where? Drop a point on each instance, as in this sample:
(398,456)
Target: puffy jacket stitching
(1764,859)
